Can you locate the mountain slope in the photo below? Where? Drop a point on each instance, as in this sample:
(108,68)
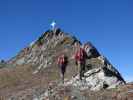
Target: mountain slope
(35,67)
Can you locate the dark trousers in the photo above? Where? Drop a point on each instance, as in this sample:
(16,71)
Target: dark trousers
(62,69)
(81,69)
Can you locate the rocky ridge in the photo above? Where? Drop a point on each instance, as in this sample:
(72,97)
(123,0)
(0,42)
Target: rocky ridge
(43,53)
(38,76)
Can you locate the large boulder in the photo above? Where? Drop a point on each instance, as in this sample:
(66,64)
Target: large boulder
(99,74)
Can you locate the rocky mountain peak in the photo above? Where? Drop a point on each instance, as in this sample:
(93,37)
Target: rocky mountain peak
(33,74)
(49,44)
(42,54)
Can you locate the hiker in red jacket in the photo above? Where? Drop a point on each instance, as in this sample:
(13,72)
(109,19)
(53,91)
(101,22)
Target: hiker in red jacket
(62,63)
(80,60)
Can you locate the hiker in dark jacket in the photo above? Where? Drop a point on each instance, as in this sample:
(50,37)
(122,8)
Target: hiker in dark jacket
(80,57)
(62,63)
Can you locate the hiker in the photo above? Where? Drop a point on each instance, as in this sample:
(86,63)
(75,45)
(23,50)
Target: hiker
(62,63)
(80,60)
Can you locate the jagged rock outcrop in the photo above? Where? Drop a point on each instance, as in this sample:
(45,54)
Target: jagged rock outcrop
(100,75)
(43,53)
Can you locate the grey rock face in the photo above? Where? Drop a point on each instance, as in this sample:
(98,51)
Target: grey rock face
(43,53)
(100,75)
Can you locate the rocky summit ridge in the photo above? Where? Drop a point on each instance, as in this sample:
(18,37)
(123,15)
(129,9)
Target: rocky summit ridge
(41,56)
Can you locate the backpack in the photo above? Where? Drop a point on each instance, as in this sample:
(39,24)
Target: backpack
(61,60)
(80,55)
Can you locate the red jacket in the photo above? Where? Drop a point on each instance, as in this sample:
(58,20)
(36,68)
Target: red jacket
(61,60)
(80,55)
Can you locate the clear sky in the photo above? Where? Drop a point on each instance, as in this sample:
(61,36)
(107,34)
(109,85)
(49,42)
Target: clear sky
(108,24)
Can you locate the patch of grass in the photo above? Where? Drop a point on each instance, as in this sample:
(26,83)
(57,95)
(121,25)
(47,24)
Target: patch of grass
(13,76)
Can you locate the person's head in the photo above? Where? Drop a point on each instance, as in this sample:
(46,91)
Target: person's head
(62,55)
(77,44)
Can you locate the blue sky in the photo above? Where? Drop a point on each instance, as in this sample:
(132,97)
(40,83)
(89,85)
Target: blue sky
(108,24)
